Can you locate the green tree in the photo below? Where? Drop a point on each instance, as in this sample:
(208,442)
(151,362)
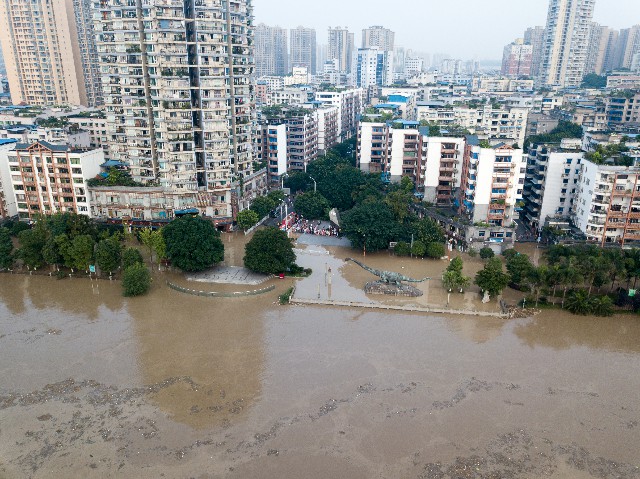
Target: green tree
(6,249)
(312,206)
(159,245)
(193,244)
(131,256)
(519,267)
(270,251)
(579,303)
(428,230)
(436,250)
(369,225)
(593,80)
(81,252)
(247,219)
(263,205)
(298,182)
(453,277)
(419,249)
(602,306)
(32,243)
(486,253)
(492,278)
(109,255)
(146,238)
(136,280)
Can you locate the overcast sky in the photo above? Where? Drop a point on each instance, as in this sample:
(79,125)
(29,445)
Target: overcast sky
(464,29)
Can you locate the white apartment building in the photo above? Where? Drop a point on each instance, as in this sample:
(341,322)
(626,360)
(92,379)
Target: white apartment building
(327,121)
(413,67)
(492,183)
(274,150)
(501,85)
(43,52)
(502,125)
(566,42)
(177,80)
(350,104)
(403,148)
(551,184)
(47,179)
(607,206)
(8,205)
(372,67)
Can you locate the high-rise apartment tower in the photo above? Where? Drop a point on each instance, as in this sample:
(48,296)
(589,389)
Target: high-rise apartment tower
(178,93)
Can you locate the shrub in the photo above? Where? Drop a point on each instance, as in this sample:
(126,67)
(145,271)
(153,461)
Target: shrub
(136,280)
(435,250)
(402,249)
(486,253)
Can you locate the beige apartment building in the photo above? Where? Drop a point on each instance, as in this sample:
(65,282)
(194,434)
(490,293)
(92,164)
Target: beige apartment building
(42,52)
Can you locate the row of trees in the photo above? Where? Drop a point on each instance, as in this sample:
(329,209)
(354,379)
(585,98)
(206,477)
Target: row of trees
(75,242)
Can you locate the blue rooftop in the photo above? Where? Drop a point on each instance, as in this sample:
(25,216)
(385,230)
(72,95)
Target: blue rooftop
(387,105)
(7,141)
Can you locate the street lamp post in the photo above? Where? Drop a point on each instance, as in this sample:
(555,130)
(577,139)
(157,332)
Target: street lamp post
(315,185)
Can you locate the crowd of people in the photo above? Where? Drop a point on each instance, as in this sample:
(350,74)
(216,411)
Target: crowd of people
(316,227)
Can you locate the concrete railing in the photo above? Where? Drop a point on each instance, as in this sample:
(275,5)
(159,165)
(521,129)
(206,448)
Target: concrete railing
(215,294)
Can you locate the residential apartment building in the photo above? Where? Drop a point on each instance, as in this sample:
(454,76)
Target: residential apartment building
(303,48)
(8,205)
(96,125)
(289,141)
(152,206)
(602,48)
(506,125)
(628,47)
(271,51)
(491,190)
(566,42)
(501,85)
(535,37)
(403,148)
(372,67)
(341,46)
(517,59)
(83,10)
(623,109)
(380,37)
(328,129)
(42,54)
(350,104)
(179,96)
(607,206)
(551,184)
(47,179)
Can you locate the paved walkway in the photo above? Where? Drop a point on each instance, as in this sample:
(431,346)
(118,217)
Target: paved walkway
(228,275)
(323,240)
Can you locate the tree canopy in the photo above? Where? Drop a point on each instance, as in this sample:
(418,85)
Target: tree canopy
(312,205)
(370,224)
(270,251)
(492,278)
(193,244)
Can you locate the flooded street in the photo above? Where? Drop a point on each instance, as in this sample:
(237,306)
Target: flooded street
(93,385)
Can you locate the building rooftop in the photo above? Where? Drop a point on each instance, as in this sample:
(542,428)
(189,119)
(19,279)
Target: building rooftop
(7,141)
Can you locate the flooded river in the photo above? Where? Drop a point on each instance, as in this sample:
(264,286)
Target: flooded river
(95,386)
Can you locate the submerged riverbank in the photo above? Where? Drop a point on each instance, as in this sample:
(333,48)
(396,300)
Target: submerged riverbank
(172,385)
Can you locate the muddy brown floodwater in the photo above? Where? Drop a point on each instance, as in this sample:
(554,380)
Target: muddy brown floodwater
(96,386)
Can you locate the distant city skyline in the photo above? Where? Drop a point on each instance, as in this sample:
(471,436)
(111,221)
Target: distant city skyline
(482,28)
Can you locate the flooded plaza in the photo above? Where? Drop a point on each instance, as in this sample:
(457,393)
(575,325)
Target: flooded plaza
(93,385)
